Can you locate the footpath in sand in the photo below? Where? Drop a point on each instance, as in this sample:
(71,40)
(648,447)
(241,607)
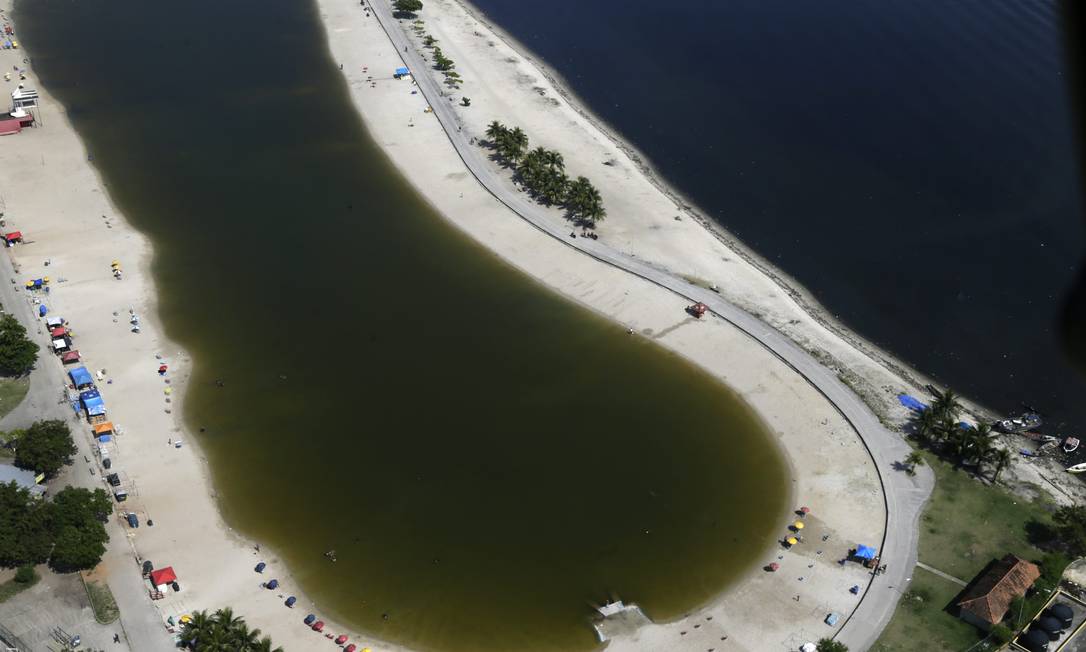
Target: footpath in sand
(72,234)
(833,473)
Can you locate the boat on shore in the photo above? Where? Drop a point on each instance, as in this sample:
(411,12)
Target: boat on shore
(1028,421)
(1070,445)
(1078,468)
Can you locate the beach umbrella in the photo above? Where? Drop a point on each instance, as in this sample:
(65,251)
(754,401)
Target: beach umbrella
(274,584)
(808,647)
(792,541)
(798,525)
(774,567)
(291,600)
(350,648)
(260,567)
(167,391)
(186,618)
(341,639)
(805,510)
(318,626)
(310,619)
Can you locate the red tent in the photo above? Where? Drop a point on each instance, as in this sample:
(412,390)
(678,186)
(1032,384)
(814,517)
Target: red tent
(163,576)
(70,357)
(14,236)
(59,331)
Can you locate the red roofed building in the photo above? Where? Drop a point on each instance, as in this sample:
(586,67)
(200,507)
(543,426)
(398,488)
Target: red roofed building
(988,597)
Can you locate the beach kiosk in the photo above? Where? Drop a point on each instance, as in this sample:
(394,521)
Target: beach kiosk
(81,378)
(54,322)
(162,578)
(11,238)
(71,357)
(93,405)
(62,344)
(401,73)
(104,429)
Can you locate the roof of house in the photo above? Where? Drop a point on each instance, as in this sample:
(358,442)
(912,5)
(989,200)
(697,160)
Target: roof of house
(989,595)
(25,479)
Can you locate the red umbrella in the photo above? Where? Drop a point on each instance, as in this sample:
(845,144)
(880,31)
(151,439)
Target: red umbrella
(805,510)
(341,639)
(774,567)
(318,626)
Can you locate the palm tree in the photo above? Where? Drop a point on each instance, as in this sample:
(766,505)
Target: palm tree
(227,619)
(265,645)
(946,404)
(925,426)
(495,130)
(553,159)
(1001,459)
(242,637)
(914,460)
(197,628)
(514,146)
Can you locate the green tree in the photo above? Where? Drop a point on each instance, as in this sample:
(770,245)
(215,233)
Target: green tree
(999,458)
(17,353)
(77,517)
(25,536)
(429,41)
(830,645)
(925,426)
(74,550)
(45,447)
(947,404)
(495,131)
(584,202)
(513,145)
(914,460)
(1070,528)
(26,575)
(407,6)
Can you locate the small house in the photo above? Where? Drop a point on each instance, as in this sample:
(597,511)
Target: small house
(24,479)
(988,597)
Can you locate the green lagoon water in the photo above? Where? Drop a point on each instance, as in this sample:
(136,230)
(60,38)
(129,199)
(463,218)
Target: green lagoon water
(487,459)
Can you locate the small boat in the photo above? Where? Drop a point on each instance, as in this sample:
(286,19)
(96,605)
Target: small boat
(1078,468)
(1070,445)
(1027,421)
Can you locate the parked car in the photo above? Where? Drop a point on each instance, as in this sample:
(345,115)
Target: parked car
(113,479)
(133,520)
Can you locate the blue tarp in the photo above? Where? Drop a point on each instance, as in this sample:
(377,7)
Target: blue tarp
(81,377)
(402,71)
(105,438)
(92,402)
(865,552)
(911,403)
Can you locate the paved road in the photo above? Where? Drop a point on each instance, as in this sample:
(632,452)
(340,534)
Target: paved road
(905,495)
(140,623)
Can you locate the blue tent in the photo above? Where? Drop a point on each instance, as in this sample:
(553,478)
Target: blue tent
(92,402)
(400,72)
(105,438)
(864,552)
(81,377)
(911,403)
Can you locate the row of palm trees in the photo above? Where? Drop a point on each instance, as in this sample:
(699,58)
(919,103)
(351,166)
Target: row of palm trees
(223,632)
(940,429)
(542,171)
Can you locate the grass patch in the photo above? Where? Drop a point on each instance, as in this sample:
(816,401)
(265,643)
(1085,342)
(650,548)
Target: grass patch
(13,587)
(102,602)
(12,393)
(920,623)
(965,525)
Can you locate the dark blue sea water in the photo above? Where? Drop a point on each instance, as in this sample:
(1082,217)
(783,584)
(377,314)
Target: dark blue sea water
(909,162)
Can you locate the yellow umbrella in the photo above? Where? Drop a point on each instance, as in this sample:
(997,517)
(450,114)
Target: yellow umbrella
(798,525)
(186,618)
(792,541)
(167,391)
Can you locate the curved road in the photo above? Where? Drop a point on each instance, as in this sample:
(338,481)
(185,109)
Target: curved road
(904,495)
